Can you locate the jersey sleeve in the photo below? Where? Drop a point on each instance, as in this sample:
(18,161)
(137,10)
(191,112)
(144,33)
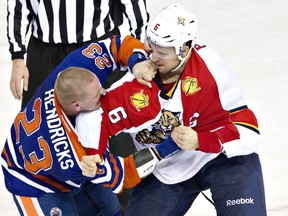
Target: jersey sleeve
(240,136)
(247,125)
(136,12)
(123,48)
(18,19)
(131,106)
(127,106)
(212,141)
(235,131)
(92,130)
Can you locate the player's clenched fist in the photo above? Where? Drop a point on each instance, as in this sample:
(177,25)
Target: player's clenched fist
(185,137)
(88,164)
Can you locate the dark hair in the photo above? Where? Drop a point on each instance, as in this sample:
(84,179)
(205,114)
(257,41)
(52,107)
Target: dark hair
(188,43)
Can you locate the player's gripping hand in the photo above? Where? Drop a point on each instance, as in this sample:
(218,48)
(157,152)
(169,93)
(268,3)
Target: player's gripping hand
(185,137)
(89,165)
(144,72)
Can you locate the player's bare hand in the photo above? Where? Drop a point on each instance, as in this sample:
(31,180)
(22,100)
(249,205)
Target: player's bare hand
(144,72)
(19,72)
(185,137)
(88,164)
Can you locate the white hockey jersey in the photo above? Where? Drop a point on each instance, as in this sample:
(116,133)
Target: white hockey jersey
(206,98)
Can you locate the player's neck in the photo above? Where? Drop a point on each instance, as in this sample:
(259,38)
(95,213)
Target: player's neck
(170,77)
(167,78)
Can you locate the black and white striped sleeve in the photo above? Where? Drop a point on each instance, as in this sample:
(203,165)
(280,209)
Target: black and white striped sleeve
(71,21)
(138,17)
(19,18)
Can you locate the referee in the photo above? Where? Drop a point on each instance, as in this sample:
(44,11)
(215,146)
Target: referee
(59,27)
(56,28)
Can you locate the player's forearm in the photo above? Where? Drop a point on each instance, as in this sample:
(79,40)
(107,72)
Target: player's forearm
(128,47)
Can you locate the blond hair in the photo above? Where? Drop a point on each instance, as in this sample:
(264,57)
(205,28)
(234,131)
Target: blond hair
(71,84)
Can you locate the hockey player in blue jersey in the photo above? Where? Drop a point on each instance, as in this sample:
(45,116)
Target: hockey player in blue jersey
(42,154)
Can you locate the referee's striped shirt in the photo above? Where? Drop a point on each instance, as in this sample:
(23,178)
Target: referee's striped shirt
(71,21)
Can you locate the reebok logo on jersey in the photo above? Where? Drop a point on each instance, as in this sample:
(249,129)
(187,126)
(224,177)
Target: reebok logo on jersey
(240,201)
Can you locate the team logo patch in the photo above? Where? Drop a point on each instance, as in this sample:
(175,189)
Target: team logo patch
(190,86)
(139,100)
(161,129)
(55,212)
(100,168)
(181,21)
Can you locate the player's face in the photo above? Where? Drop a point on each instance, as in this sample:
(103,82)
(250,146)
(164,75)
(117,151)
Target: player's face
(164,58)
(94,92)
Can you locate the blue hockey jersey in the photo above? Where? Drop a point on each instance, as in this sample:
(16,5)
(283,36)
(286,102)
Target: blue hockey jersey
(42,153)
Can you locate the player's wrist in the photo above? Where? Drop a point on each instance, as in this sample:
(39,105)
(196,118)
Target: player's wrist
(138,55)
(167,148)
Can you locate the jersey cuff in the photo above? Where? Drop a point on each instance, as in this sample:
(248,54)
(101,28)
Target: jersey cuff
(91,151)
(17,55)
(167,148)
(135,58)
(208,142)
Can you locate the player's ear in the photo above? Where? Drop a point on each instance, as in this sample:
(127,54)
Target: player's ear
(75,106)
(185,51)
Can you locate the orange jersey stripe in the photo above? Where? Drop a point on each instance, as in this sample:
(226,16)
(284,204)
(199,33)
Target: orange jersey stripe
(79,149)
(51,182)
(126,49)
(131,177)
(7,158)
(114,48)
(28,206)
(116,169)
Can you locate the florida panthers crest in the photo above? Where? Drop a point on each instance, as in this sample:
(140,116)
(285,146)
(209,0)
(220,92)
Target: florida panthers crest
(190,86)
(139,100)
(161,129)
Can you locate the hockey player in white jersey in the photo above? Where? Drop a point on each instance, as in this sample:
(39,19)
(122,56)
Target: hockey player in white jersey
(195,99)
